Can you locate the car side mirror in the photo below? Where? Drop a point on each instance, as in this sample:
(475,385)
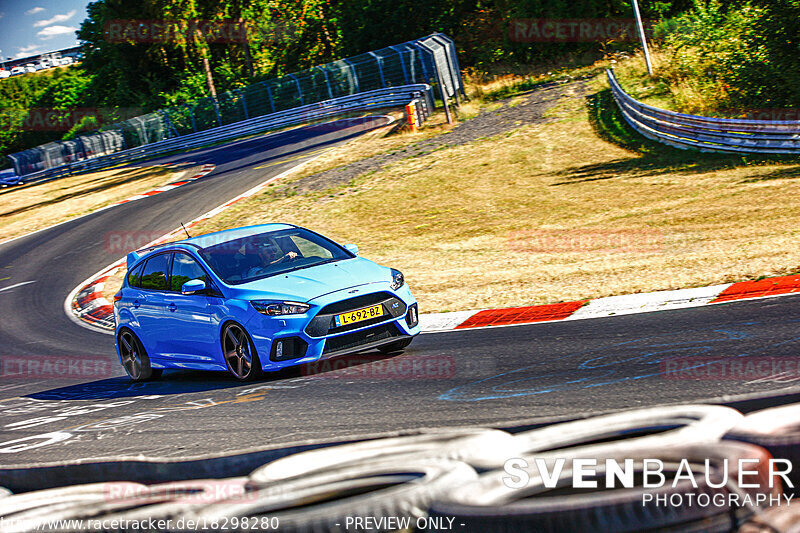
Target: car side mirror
(352,248)
(193,286)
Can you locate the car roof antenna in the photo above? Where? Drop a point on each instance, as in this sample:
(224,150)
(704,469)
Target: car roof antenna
(187,231)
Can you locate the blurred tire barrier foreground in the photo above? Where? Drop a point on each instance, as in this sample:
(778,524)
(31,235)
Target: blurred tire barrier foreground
(475,480)
(778,431)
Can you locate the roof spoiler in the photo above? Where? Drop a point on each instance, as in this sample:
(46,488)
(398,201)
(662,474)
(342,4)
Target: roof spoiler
(132,258)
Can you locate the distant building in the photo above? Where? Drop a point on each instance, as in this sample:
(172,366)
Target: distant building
(74,53)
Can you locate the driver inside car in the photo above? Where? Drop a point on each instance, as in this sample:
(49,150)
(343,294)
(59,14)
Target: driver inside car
(268,254)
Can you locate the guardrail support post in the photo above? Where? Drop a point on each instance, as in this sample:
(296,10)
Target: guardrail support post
(402,64)
(445,101)
(166,118)
(244,104)
(269,95)
(299,88)
(379,61)
(191,114)
(354,73)
(327,81)
(216,110)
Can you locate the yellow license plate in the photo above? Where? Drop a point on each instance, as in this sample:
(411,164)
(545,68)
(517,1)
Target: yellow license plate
(358,315)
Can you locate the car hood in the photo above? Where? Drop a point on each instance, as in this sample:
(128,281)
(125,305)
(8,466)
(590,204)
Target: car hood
(309,283)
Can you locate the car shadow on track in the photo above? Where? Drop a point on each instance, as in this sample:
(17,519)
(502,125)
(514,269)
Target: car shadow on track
(175,382)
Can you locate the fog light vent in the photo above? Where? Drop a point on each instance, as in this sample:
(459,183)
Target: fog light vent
(287,348)
(412,317)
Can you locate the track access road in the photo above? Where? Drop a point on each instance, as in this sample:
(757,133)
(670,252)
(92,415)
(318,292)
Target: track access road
(495,377)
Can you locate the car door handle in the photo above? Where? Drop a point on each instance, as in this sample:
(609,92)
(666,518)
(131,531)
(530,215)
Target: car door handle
(172,307)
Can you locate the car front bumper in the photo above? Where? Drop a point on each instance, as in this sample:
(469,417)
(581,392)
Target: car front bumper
(290,340)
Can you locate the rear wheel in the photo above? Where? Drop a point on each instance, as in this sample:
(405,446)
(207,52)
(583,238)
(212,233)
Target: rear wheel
(396,346)
(134,358)
(240,354)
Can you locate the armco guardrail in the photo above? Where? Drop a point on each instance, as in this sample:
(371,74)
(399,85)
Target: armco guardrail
(430,60)
(707,134)
(381,98)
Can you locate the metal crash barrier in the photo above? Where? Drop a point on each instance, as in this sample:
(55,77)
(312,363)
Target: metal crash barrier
(707,134)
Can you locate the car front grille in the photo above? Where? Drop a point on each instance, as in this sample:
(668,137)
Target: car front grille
(360,338)
(365,300)
(323,324)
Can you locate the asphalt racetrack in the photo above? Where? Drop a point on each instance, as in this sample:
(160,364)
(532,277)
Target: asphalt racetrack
(493,377)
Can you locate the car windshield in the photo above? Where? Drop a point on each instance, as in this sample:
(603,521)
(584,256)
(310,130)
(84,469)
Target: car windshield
(267,254)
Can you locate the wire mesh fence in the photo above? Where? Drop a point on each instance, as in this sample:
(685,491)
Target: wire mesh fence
(431,60)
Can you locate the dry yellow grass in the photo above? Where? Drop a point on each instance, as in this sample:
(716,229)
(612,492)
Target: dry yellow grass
(29,208)
(551,213)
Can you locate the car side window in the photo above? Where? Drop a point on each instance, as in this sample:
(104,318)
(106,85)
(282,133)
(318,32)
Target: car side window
(185,268)
(154,274)
(135,276)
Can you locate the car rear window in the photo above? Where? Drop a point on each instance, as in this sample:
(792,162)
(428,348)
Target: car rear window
(135,276)
(154,275)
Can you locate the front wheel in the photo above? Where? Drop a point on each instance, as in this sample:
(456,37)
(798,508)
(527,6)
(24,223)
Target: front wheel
(396,346)
(134,358)
(240,354)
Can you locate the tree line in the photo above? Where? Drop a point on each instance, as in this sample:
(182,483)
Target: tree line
(146,54)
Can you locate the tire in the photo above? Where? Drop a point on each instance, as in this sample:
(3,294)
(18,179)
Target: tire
(472,446)
(778,430)
(654,427)
(490,505)
(324,501)
(174,499)
(239,353)
(396,346)
(134,357)
(783,519)
(118,501)
(35,510)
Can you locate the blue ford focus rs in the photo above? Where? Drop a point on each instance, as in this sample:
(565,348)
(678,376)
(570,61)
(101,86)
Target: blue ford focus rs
(256,299)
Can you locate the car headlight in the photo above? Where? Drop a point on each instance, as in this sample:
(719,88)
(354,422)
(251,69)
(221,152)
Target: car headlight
(397,280)
(272,308)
